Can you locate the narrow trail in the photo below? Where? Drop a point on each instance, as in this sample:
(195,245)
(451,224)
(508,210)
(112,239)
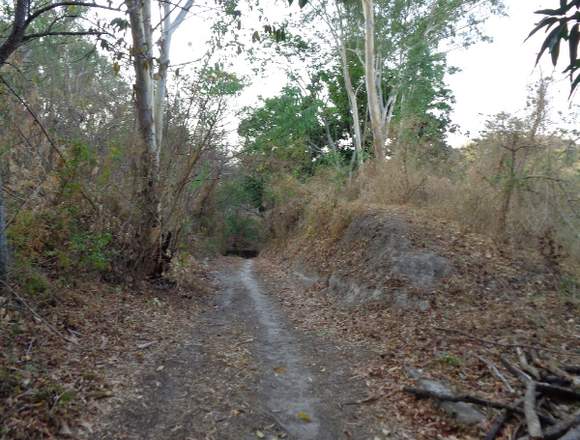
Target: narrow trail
(246,374)
(289,393)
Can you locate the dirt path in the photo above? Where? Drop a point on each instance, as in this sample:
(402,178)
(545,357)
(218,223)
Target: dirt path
(246,373)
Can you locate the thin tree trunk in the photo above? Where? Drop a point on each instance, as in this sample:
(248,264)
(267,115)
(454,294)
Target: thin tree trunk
(165,45)
(353,102)
(507,195)
(373,82)
(150,92)
(3,241)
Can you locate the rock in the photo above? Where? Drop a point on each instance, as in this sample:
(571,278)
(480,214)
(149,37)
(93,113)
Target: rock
(306,277)
(387,268)
(462,413)
(421,269)
(350,292)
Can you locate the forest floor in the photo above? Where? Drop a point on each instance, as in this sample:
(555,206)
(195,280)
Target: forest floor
(245,372)
(256,356)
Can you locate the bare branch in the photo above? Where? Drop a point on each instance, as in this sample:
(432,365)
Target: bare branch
(50,7)
(57,33)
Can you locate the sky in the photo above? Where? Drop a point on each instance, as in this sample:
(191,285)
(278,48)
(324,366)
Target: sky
(494,77)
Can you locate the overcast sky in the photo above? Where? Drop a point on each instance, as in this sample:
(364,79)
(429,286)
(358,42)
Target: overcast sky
(494,76)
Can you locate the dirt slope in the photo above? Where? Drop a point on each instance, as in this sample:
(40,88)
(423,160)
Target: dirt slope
(425,295)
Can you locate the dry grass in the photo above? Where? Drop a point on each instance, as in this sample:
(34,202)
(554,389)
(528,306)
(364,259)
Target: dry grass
(542,216)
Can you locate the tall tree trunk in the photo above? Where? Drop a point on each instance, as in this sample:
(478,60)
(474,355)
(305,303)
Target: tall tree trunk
(149,231)
(150,93)
(353,102)
(507,195)
(160,95)
(373,83)
(3,241)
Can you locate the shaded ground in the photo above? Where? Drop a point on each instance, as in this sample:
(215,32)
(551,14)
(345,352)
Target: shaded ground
(247,373)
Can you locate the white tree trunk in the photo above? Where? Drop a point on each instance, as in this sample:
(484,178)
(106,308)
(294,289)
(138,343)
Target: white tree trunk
(352,100)
(140,17)
(149,229)
(373,82)
(340,42)
(150,93)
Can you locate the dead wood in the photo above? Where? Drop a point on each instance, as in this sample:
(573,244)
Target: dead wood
(515,371)
(35,314)
(422,394)
(370,399)
(556,380)
(561,428)
(530,369)
(558,391)
(551,366)
(498,425)
(493,368)
(532,419)
(513,407)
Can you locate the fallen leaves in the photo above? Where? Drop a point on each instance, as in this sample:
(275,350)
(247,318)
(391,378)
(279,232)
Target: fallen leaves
(303,416)
(279,370)
(49,387)
(493,294)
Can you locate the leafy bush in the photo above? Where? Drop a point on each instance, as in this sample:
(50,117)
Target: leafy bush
(57,239)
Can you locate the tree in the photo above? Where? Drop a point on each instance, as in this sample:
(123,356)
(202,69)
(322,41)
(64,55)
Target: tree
(284,134)
(27,21)
(150,94)
(567,22)
(30,21)
(393,30)
(380,107)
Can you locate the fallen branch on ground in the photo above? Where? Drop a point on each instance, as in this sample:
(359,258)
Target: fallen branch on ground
(543,410)
(36,315)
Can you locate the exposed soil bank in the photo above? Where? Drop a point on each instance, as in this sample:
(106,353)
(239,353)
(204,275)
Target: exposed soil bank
(426,296)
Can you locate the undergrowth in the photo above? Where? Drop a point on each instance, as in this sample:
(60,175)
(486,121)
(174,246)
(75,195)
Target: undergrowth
(470,188)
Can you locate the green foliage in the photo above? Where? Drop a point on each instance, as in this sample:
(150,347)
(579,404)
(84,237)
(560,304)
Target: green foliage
(566,20)
(243,231)
(450,360)
(215,81)
(58,239)
(33,282)
(91,250)
(284,133)
(237,218)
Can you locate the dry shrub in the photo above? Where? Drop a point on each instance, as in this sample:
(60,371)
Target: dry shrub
(189,274)
(391,182)
(320,207)
(471,191)
(327,215)
(468,201)
(285,197)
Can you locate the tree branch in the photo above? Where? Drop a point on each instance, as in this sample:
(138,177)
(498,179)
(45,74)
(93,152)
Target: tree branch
(57,33)
(41,11)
